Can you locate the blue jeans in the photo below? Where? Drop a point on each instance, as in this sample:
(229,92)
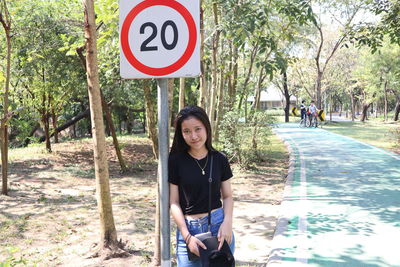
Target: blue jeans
(303,115)
(198,226)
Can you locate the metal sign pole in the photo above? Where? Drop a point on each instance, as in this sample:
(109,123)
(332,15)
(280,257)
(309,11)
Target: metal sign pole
(163,144)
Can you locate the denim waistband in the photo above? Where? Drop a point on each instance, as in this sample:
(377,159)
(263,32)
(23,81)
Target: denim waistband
(204,219)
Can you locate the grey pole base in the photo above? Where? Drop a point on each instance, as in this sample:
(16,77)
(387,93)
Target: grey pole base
(163,144)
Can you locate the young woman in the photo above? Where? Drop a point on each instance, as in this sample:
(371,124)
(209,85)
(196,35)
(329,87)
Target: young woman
(189,170)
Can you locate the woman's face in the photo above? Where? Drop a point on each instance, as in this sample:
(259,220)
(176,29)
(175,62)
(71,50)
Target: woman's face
(194,132)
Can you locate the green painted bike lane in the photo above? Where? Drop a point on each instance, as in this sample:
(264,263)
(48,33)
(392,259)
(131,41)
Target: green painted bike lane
(341,203)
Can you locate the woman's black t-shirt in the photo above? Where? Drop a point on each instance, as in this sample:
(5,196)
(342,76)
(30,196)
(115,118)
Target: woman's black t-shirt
(184,172)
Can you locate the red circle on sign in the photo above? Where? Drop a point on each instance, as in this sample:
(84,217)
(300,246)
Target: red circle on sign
(177,64)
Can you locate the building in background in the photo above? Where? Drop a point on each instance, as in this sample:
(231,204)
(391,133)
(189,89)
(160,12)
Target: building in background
(272,98)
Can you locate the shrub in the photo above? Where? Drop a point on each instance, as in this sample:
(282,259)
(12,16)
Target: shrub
(246,142)
(396,134)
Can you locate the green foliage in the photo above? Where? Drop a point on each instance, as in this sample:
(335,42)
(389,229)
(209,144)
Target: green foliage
(275,112)
(374,71)
(396,134)
(13,260)
(47,72)
(45,78)
(373,34)
(2,78)
(237,136)
(299,11)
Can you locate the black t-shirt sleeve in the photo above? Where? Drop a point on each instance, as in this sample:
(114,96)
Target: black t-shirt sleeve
(173,177)
(226,168)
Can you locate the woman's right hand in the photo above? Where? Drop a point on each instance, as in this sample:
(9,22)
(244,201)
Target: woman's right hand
(194,244)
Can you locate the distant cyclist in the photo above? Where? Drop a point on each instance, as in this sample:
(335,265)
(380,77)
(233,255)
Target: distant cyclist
(303,109)
(312,109)
(313,113)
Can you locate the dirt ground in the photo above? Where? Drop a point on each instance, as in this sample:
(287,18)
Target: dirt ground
(50,217)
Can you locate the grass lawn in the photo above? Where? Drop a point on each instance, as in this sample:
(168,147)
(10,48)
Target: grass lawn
(377,133)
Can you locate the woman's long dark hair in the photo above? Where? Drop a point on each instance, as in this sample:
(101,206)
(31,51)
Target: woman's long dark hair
(179,144)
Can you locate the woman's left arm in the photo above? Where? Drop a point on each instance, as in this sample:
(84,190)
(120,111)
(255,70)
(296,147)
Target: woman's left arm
(225,231)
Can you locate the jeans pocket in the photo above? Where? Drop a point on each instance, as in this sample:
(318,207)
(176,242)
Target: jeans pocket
(217,218)
(194,228)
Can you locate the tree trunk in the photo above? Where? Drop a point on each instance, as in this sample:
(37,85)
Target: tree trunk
(365,112)
(287,96)
(247,79)
(5,20)
(107,128)
(33,130)
(353,106)
(203,80)
(386,101)
(230,76)
(129,125)
(245,108)
(331,109)
(113,134)
(181,93)
(318,67)
(397,109)
(254,135)
(72,121)
(110,128)
(108,234)
(257,92)
(220,105)
(54,122)
(257,97)
(321,68)
(214,81)
(171,87)
(151,121)
(318,89)
(232,88)
(143,121)
(46,126)
(45,117)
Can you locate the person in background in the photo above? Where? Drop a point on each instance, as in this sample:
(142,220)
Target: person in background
(303,109)
(312,109)
(188,173)
(313,112)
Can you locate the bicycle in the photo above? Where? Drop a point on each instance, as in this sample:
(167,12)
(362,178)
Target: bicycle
(304,122)
(313,122)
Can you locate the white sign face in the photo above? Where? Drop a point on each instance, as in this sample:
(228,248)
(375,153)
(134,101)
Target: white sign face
(159,38)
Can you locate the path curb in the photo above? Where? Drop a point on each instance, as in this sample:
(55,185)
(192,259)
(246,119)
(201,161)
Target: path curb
(274,258)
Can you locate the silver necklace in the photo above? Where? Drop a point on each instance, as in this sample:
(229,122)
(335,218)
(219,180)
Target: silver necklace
(205,165)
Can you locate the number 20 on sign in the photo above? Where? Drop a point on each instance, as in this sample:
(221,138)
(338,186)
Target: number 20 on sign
(159,38)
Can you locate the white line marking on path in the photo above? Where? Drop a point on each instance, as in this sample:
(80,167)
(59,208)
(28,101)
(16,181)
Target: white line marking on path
(302,242)
(302,247)
(301,206)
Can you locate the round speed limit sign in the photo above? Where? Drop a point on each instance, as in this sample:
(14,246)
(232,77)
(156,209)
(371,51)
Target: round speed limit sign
(159,38)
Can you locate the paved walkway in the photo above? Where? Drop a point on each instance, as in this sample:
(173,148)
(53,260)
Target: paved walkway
(341,205)
(336,117)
